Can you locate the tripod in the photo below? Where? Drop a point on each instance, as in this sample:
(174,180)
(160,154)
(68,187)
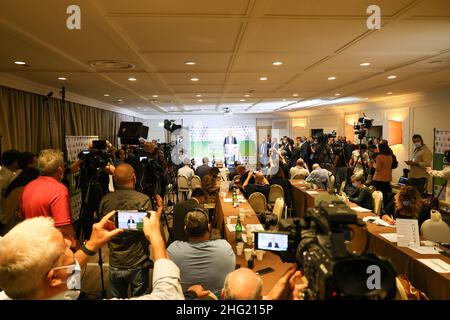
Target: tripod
(322,150)
(365,166)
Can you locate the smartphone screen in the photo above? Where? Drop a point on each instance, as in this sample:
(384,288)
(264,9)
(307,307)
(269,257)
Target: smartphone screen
(130,219)
(142,159)
(271,241)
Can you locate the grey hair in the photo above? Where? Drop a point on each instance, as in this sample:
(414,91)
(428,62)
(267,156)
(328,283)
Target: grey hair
(230,294)
(196,222)
(205,160)
(27,253)
(50,160)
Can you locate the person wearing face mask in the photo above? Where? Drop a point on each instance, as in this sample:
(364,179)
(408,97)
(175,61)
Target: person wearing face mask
(407,204)
(362,195)
(36,262)
(129,255)
(421,159)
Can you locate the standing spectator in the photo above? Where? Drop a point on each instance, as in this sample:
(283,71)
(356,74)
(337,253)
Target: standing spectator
(443,174)
(47,196)
(360,160)
(27,159)
(203,169)
(180,210)
(128,252)
(383,172)
(341,163)
(421,159)
(201,260)
(9,166)
(9,217)
(210,185)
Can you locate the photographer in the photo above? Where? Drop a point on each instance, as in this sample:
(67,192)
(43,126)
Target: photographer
(341,161)
(128,252)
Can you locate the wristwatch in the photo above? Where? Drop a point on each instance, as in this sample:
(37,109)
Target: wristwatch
(86,250)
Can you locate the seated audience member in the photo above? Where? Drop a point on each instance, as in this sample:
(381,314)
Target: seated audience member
(362,195)
(9,217)
(128,252)
(407,204)
(300,168)
(243,173)
(210,184)
(245,284)
(203,169)
(281,180)
(47,196)
(224,172)
(35,249)
(321,177)
(198,198)
(186,170)
(201,260)
(261,185)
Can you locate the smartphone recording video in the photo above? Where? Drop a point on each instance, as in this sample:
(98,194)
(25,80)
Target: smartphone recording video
(130,220)
(271,241)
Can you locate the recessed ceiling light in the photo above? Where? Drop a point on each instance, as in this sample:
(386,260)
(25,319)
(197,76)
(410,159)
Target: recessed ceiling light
(242,100)
(190,63)
(106,95)
(198,95)
(322,108)
(132,79)
(277,63)
(332,78)
(392,77)
(284,99)
(389,92)
(337,94)
(119,100)
(62,78)
(20,63)
(155,96)
(295,95)
(200,100)
(365,64)
(195,79)
(263,78)
(246,95)
(139,107)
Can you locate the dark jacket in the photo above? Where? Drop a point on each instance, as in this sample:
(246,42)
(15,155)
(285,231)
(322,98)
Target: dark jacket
(179,213)
(363,198)
(202,170)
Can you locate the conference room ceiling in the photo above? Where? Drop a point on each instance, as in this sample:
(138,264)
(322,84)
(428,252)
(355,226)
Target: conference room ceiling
(233,43)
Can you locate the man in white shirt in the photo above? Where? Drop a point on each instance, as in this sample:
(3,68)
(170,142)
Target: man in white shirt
(299,169)
(186,170)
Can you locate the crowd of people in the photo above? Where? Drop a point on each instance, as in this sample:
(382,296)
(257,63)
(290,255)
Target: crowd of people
(39,242)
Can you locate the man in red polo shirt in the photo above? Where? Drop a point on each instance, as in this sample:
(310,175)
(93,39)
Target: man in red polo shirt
(47,196)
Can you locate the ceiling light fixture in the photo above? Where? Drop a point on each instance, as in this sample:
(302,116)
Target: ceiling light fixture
(332,78)
(389,92)
(119,100)
(198,95)
(337,94)
(284,99)
(365,64)
(295,95)
(200,100)
(264,78)
(155,96)
(106,95)
(190,63)
(62,78)
(392,77)
(246,95)
(277,63)
(242,100)
(132,79)
(195,79)
(20,63)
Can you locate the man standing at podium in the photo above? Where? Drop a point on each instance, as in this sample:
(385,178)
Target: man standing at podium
(230,139)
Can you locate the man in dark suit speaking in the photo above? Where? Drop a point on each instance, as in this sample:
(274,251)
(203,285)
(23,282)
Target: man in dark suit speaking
(230,139)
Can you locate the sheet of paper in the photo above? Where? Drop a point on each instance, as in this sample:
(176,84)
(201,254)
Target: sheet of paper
(228,200)
(426,250)
(361,209)
(437,265)
(255,227)
(407,233)
(392,237)
(232,227)
(376,220)
(312,192)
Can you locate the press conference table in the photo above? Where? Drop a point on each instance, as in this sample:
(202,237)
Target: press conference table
(405,261)
(226,209)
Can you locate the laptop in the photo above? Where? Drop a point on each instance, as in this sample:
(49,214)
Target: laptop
(403,181)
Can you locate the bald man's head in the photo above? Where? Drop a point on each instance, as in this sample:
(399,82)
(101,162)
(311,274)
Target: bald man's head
(315,166)
(124,175)
(259,177)
(242,284)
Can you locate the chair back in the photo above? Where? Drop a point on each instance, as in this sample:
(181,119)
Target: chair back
(332,183)
(258,202)
(299,176)
(278,209)
(276,191)
(377,201)
(434,229)
(183,183)
(196,182)
(342,190)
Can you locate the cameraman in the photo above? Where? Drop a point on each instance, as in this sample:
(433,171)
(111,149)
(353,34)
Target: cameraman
(128,252)
(341,162)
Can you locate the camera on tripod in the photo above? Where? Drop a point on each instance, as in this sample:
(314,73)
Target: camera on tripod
(322,138)
(362,126)
(319,246)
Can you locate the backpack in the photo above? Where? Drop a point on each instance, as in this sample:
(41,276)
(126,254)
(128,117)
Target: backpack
(394,162)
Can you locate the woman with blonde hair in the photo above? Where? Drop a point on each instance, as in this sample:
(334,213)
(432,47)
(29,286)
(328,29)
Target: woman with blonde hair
(407,204)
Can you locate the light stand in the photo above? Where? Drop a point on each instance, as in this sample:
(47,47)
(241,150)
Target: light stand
(46,99)
(63,122)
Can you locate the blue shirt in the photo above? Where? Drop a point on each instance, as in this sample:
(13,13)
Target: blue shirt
(204,262)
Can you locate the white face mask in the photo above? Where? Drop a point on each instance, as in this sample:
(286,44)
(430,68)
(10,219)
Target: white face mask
(417,145)
(73,282)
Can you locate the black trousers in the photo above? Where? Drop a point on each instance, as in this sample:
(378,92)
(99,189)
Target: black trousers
(419,184)
(386,190)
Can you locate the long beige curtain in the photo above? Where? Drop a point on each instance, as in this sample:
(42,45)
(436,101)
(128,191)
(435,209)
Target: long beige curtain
(25,118)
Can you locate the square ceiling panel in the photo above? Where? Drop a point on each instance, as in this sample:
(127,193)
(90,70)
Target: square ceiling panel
(180,34)
(204,62)
(184,78)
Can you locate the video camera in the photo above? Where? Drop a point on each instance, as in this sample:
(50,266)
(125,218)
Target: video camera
(322,138)
(319,247)
(362,126)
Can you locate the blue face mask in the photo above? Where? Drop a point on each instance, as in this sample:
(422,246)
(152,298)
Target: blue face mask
(406,203)
(418,145)
(73,282)
(355,184)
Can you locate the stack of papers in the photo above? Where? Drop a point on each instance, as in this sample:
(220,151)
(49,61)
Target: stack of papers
(426,250)
(392,237)
(377,220)
(228,200)
(361,209)
(437,265)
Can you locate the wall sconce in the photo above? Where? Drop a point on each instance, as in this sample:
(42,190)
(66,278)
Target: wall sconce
(395,132)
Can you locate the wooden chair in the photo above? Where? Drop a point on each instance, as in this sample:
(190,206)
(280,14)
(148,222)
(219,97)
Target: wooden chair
(196,182)
(258,202)
(377,201)
(299,176)
(342,190)
(276,191)
(183,187)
